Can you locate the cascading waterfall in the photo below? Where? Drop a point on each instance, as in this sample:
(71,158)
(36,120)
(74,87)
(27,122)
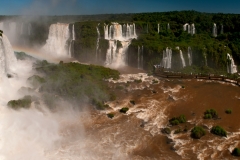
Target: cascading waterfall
(7,57)
(29,29)
(111,51)
(114,33)
(71,44)
(189,28)
(193,29)
(231,67)
(158,27)
(1,25)
(57,40)
(98,38)
(22,28)
(168,26)
(167,59)
(182,58)
(221,29)
(185,26)
(190,56)
(73,33)
(214,30)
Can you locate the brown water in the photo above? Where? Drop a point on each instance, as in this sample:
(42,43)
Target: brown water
(137,134)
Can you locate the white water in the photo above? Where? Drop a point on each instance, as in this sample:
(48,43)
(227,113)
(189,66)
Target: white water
(56,44)
(189,28)
(120,32)
(182,59)
(116,57)
(7,57)
(214,32)
(231,67)
(168,26)
(185,26)
(98,38)
(158,27)
(167,58)
(193,31)
(29,29)
(190,56)
(221,29)
(73,33)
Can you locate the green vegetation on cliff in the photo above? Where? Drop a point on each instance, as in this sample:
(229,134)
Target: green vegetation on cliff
(75,82)
(25,102)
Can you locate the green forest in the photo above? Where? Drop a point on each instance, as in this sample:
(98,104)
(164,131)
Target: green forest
(208,50)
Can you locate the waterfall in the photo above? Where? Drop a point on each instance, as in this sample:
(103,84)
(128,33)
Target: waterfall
(73,33)
(57,40)
(7,57)
(185,26)
(29,29)
(158,27)
(221,29)
(182,59)
(1,25)
(114,33)
(13,28)
(168,26)
(193,29)
(106,31)
(190,56)
(167,58)
(214,30)
(22,28)
(98,38)
(231,67)
(189,28)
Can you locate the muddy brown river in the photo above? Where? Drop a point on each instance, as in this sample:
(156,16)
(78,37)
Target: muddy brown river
(137,134)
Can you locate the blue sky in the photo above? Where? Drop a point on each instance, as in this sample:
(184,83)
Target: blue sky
(78,7)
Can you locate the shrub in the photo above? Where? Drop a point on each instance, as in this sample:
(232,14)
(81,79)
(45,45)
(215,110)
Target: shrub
(132,102)
(177,131)
(154,81)
(138,80)
(119,87)
(124,110)
(177,120)
(25,102)
(210,113)
(218,131)
(197,132)
(228,111)
(207,116)
(166,130)
(110,115)
(99,105)
(236,152)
